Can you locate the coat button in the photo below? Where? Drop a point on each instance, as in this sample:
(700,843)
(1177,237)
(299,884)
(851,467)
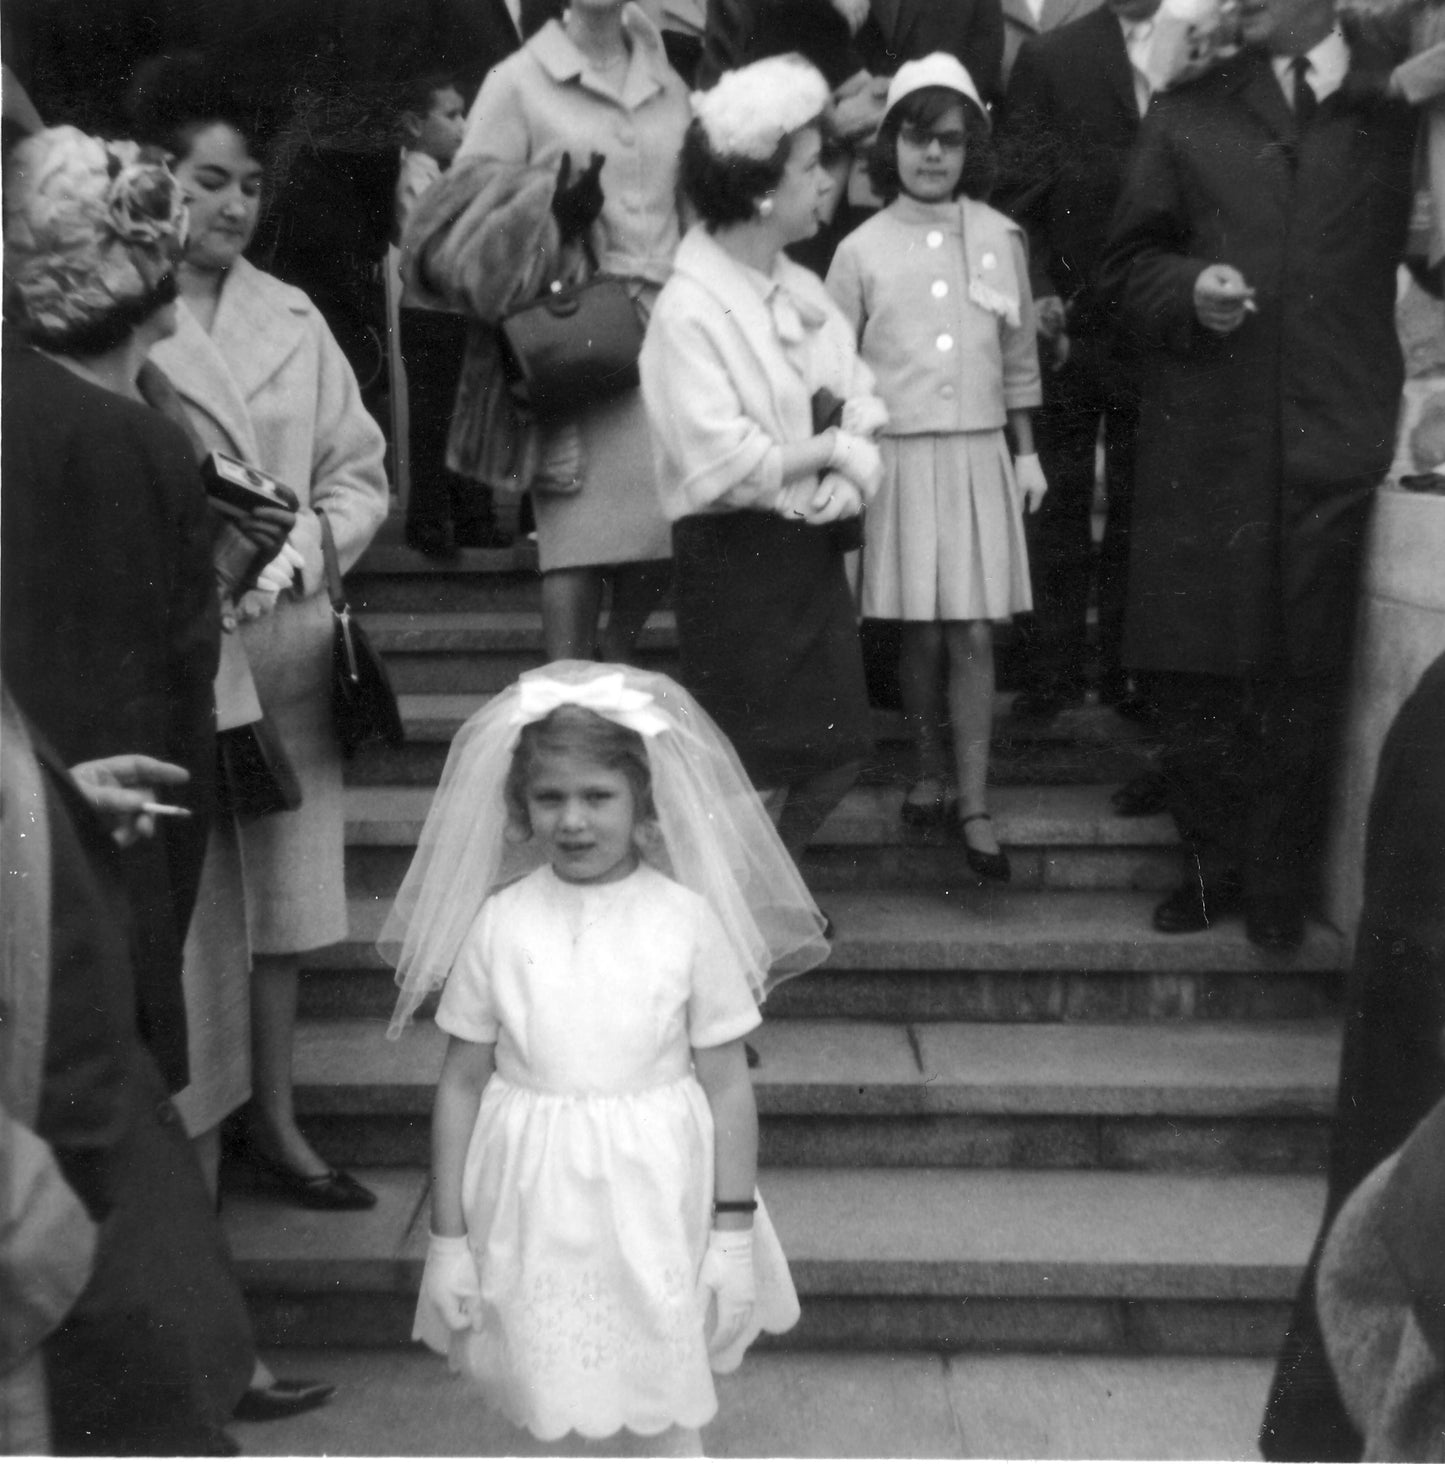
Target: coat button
(934,238)
(944,342)
(939,289)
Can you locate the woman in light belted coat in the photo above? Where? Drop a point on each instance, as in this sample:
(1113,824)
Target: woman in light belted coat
(263,380)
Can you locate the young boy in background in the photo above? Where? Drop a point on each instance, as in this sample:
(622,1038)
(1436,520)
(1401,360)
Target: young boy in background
(445,512)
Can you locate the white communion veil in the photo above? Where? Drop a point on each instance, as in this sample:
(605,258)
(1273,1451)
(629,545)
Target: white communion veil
(716,837)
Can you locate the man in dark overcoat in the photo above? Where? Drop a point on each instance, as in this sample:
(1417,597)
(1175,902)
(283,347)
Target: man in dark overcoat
(1255,250)
(1072,113)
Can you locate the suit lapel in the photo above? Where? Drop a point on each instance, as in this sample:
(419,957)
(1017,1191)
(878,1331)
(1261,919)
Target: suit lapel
(201,377)
(1114,64)
(254,332)
(1255,84)
(1017,13)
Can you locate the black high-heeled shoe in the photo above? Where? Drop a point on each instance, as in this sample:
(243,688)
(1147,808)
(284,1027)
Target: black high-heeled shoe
(925,813)
(986,866)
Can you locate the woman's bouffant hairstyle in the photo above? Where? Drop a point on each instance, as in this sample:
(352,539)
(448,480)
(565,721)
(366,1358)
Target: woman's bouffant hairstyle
(926,108)
(175,97)
(584,734)
(726,190)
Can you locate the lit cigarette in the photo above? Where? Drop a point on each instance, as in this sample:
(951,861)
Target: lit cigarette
(165,810)
(1250,308)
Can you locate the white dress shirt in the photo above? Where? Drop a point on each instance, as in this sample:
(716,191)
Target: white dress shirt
(1138,37)
(1328,63)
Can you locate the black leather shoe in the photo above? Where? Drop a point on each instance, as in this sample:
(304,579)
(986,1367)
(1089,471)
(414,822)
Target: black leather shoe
(993,867)
(432,539)
(1141,797)
(283,1398)
(1275,924)
(1193,907)
(333,1190)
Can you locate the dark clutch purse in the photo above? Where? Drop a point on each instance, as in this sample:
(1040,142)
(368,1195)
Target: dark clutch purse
(846,534)
(574,346)
(363,704)
(254,775)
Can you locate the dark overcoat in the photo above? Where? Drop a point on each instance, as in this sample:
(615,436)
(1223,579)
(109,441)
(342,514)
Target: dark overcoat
(110,629)
(1258,451)
(1069,122)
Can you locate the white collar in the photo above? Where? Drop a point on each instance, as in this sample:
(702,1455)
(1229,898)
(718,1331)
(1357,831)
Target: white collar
(1329,60)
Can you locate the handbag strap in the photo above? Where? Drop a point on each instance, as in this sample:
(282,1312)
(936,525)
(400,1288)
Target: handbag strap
(334,588)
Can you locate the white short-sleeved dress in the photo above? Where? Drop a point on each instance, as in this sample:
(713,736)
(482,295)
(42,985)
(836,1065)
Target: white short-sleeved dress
(589,1176)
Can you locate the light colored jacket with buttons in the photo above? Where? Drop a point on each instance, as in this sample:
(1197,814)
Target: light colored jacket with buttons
(939,297)
(543,101)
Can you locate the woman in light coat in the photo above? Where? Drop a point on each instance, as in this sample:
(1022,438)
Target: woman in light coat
(263,380)
(762,418)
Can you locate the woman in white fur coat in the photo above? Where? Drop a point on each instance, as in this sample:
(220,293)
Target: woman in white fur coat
(262,379)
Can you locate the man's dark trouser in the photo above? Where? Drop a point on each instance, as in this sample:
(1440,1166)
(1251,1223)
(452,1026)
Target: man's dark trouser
(1248,764)
(1086,390)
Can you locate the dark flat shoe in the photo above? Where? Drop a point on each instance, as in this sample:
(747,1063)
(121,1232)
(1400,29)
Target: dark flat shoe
(1275,925)
(334,1190)
(1141,797)
(986,866)
(284,1398)
(1192,908)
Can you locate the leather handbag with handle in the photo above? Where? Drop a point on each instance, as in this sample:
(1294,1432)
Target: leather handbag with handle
(575,345)
(363,704)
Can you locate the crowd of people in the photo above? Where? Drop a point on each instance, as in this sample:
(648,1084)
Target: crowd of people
(907,277)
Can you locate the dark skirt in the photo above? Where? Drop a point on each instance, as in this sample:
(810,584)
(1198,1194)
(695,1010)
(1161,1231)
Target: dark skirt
(769,641)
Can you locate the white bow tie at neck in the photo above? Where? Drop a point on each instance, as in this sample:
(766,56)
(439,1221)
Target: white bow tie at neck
(609,696)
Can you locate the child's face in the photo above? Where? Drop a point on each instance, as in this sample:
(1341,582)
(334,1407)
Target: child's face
(584,815)
(930,159)
(439,133)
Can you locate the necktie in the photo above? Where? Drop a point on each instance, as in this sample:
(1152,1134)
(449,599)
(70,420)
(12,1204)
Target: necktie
(1305,101)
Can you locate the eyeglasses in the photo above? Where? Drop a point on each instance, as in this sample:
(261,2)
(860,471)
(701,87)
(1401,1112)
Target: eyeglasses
(920,137)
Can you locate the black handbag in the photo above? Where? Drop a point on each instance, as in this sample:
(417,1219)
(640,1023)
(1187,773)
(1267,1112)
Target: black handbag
(574,346)
(254,776)
(363,704)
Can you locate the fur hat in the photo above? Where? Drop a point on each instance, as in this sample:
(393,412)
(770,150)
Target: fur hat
(90,227)
(751,110)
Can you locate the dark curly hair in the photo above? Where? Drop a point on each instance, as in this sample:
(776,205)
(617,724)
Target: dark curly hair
(587,735)
(926,108)
(726,190)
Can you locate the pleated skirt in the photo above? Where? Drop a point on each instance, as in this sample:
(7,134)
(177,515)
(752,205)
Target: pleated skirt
(945,534)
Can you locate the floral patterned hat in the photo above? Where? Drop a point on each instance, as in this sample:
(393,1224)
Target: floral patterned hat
(91,227)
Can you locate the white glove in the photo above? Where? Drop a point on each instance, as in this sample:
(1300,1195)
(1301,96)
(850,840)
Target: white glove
(450,1280)
(726,1277)
(280,573)
(858,460)
(837,498)
(1033,485)
(866,415)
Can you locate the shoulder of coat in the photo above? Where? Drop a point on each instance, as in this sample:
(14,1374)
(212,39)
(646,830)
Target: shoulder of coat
(275,292)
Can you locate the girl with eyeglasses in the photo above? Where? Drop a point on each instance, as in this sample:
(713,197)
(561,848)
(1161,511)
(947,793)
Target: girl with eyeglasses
(937,287)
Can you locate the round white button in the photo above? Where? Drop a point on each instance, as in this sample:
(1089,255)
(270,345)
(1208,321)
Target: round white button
(940,289)
(944,342)
(989,261)
(934,238)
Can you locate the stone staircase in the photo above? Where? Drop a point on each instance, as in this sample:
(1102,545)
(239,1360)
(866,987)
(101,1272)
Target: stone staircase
(999,1121)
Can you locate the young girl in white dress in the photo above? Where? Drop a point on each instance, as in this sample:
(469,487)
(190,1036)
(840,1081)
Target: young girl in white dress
(602,897)
(937,287)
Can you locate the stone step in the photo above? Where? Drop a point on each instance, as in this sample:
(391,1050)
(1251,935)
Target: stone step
(1214,1096)
(944,1260)
(471,652)
(392,579)
(822,1405)
(974,954)
(1086,744)
(1058,838)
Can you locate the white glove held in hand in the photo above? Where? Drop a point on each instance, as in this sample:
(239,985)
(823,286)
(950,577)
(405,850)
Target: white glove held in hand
(1032,483)
(858,460)
(726,1275)
(280,573)
(450,1280)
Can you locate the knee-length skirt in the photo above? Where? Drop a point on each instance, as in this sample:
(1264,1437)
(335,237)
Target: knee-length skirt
(945,537)
(768,633)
